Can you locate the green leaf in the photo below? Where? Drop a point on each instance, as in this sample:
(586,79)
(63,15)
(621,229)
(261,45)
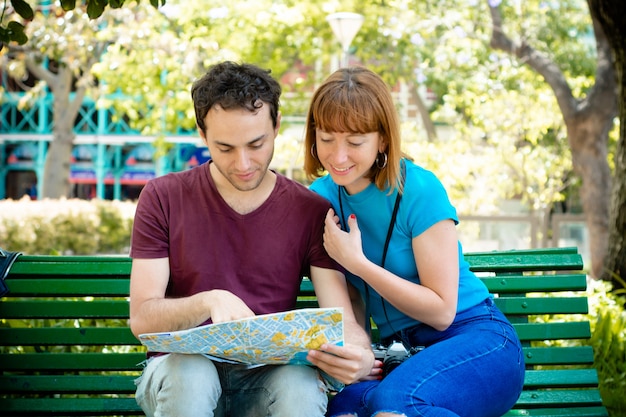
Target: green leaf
(155,3)
(95,8)
(68,5)
(16,32)
(116,4)
(23,9)
(4,36)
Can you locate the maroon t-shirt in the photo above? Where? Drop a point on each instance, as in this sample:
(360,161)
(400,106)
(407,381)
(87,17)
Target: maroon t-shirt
(260,256)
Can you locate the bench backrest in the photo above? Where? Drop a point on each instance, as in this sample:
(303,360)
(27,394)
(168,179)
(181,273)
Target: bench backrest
(58,355)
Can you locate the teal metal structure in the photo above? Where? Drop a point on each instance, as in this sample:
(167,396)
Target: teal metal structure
(106,146)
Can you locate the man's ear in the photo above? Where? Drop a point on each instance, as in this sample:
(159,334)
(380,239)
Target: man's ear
(202,135)
(277,128)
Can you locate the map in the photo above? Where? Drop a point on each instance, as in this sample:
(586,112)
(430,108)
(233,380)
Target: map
(278,338)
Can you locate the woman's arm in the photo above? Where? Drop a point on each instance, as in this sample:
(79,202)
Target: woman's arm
(434,300)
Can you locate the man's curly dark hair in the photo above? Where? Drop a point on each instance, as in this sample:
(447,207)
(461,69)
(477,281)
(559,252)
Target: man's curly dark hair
(231,85)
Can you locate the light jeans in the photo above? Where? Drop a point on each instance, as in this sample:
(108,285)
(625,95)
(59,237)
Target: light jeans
(176,385)
(475,368)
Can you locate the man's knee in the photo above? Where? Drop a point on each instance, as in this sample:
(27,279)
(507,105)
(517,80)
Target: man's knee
(172,384)
(190,368)
(297,378)
(296,388)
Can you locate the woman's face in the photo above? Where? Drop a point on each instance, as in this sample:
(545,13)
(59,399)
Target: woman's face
(348,157)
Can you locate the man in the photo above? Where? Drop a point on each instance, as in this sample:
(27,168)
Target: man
(227,240)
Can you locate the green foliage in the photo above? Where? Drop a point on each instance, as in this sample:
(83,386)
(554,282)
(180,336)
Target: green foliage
(505,113)
(113,229)
(609,342)
(14,31)
(68,5)
(502,113)
(607,317)
(66,226)
(22,8)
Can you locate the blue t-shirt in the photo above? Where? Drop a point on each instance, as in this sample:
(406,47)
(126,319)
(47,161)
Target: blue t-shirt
(424,202)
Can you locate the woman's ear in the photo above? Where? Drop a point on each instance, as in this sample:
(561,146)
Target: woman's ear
(382,144)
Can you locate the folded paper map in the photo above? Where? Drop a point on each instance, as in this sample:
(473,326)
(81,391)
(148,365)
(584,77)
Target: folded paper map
(266,339)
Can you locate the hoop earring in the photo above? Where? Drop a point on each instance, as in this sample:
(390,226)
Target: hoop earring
(313,151)
(385,160)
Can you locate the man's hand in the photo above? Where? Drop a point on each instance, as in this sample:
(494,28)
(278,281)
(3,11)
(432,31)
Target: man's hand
(226,306)
(348,364)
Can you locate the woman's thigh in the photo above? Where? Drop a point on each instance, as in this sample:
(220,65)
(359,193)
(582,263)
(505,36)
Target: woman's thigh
(479,372)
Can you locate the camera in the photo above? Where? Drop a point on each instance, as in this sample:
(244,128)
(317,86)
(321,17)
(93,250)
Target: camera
(393,355)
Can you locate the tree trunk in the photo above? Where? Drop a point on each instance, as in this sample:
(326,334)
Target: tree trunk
(587,138)
(611,15)
(429,126)
(56,181)
(588,121)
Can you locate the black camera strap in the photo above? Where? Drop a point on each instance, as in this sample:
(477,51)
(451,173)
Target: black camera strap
(392,222)
(389,230)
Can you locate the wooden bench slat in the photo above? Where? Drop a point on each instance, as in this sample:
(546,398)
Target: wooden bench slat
(570,250)
(517,284)
(125,383)
(553,330)
(60,309)
(307,304)
(66,362)
(544,305)
(306,288)
(67,336)
(101,266)
(123,336)
(559,397)
(504,262)
(559,412)
(558,355)
(64,287)
(561,378)
(83,384)
(75,406)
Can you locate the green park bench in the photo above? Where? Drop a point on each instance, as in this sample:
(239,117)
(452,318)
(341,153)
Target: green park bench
(66,349)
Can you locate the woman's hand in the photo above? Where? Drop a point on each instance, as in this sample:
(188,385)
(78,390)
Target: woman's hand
(376,373)
(343,247)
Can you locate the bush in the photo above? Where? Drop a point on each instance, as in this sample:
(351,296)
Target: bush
(609,343)
(69,227)
(607,319)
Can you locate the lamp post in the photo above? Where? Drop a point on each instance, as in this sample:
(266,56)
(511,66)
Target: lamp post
(345,26)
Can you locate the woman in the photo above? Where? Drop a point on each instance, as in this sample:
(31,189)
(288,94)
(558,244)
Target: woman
(393,230)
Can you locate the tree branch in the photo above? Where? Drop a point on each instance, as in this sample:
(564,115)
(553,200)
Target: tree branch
(85,80)
(603,96)
(38,70)
(538,61)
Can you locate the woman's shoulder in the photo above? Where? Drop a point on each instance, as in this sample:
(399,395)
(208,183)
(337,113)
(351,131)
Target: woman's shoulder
(323,185)
(419,177)
(299,191)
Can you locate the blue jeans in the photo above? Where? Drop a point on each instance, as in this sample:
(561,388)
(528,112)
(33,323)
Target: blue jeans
(474,368)
(177,385)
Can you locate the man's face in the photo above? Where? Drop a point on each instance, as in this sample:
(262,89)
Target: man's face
(241,144)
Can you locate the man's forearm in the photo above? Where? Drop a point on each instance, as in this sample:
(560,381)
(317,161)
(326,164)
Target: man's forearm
(355,334)
(167,314)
